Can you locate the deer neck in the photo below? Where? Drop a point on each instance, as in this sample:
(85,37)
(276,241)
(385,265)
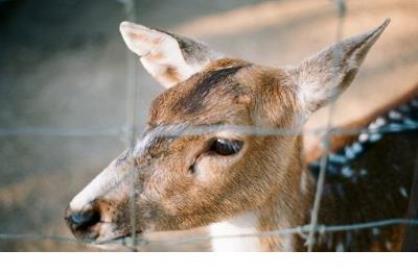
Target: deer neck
(224,234)
(244,232)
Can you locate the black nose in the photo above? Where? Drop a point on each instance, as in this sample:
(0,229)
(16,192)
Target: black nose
(83,219)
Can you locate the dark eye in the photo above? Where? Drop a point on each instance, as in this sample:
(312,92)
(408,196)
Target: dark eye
(225,147)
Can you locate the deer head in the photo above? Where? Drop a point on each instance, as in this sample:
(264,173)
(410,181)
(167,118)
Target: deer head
(179,178)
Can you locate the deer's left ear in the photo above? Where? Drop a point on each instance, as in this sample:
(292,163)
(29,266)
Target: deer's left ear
(169,58)
(330,72)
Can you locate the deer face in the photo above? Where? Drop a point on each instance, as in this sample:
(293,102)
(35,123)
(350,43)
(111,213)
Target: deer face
(192,166)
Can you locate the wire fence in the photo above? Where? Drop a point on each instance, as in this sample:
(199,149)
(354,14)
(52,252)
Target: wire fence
(129,132)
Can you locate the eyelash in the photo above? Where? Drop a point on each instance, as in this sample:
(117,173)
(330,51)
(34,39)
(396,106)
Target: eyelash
(221,147)
(225,147)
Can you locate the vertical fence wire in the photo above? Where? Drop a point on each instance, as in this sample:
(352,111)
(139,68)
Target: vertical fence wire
(326,139)
(131,115)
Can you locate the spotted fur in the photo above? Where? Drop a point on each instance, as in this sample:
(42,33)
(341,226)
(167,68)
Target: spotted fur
(371,179)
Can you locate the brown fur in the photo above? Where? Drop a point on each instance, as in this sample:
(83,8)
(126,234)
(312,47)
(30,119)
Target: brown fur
(174,198)
(181,184)
(173,107)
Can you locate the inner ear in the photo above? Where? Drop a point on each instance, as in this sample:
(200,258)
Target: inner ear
(331,71)
(168,57)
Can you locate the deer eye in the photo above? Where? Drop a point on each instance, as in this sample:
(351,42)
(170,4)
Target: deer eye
(225,147)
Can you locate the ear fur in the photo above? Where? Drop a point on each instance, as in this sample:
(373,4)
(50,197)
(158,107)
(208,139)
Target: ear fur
(331,71)
(169,58)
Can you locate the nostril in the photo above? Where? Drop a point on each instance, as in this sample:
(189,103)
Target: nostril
(84,219)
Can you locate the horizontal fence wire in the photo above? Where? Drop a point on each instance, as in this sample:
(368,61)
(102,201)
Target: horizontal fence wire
(194,130)
(300,230)
(62,132)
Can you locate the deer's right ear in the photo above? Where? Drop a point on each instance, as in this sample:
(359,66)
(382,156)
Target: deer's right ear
(169,58)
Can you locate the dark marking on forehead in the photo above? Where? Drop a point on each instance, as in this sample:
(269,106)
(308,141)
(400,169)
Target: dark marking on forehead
(194,100)
(215,77)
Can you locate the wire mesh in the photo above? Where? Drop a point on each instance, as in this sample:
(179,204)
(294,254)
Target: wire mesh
(326,140)
(129,134)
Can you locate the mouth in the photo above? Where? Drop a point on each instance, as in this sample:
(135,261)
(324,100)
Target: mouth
(125,240)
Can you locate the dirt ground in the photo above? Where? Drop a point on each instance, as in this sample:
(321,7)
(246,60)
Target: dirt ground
(63,66)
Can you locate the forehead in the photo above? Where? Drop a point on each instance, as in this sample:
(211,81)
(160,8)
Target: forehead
(211,96)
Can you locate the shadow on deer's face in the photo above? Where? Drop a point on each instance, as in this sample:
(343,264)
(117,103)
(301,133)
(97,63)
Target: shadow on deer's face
(192,166)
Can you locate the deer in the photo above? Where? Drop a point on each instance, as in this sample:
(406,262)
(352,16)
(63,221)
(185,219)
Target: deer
(230,181)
